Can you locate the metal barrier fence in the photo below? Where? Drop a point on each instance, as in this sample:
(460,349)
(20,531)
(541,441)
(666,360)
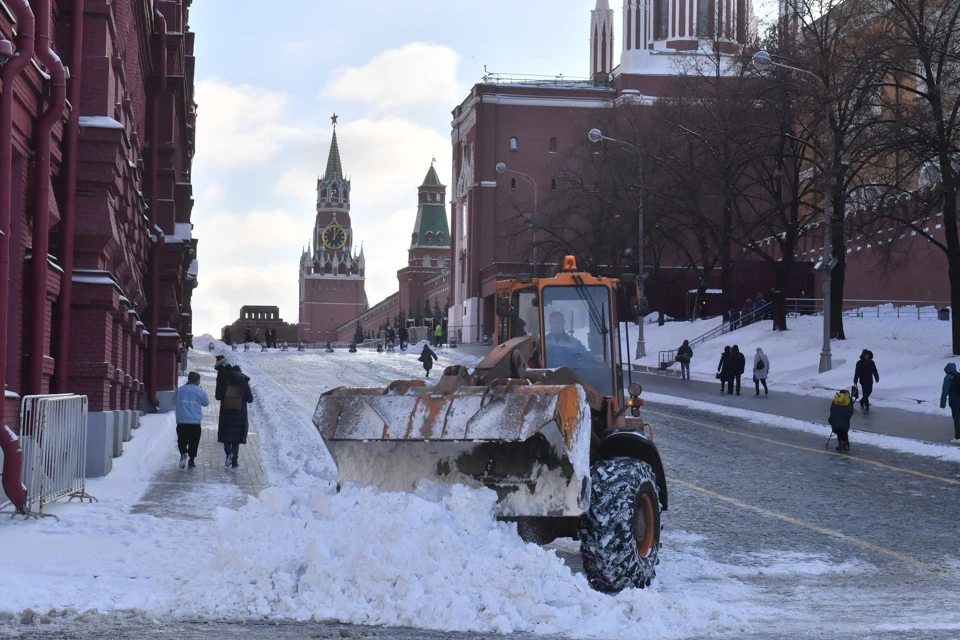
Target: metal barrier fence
(53,436)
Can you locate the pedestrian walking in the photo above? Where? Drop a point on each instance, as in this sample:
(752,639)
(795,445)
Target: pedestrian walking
(725,369)
(233,392)
(684,355)
(950,394)
(739,365)
(403,335)
(761,367)
(427,356)
(189,401)
(438,334)
(841,410)
(866,374)
(746,312)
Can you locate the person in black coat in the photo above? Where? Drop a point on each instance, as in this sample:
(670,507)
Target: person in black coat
(738,365)
(402,334)
(684,355)
(725,369)
(427,356)
(233,392)
(866,374)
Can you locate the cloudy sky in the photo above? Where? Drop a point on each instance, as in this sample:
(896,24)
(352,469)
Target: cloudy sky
(270,75)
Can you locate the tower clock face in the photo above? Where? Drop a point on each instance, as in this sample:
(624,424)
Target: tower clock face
(334,236)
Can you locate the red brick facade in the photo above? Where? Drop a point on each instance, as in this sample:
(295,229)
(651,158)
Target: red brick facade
(133,264)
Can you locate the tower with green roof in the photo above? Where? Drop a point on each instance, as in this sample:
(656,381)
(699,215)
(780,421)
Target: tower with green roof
(429,254)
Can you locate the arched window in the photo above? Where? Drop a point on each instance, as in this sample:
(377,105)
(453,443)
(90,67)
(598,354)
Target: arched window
(514,144)
(428,238)
(440,237)
(513,184)
(323,194)
(336,191)
(553,184)
(344,193)
(553,145)
(413,238)
(426,261)
(441,262)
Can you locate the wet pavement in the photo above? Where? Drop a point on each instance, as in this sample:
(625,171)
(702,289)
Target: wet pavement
(886,420)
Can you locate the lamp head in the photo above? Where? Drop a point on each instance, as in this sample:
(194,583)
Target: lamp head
(6,51)
(501,167)
(762,60)
(594,135)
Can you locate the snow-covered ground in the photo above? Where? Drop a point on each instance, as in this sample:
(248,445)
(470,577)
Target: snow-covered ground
(436,559)
(910,354)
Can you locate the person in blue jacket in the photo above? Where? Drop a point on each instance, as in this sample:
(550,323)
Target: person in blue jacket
(190,400)
(949,395)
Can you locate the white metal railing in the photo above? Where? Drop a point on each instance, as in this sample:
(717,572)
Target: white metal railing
(53,436)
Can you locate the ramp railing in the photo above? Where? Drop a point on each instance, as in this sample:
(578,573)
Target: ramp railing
(53,436)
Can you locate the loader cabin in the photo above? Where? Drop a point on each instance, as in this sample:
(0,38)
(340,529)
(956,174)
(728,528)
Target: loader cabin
(573,316)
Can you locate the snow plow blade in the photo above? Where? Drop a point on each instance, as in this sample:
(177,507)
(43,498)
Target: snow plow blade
(529,443)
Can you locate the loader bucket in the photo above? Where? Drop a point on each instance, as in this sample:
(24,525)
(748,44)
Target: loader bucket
(529,443)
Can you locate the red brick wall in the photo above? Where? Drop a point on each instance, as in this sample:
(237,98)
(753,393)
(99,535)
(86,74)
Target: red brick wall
(118,73)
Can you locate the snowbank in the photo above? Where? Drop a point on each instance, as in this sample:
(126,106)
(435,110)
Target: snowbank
(910,355)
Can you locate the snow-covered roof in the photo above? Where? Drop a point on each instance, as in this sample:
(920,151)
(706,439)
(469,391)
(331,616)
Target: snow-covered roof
(99,122)
(183,230)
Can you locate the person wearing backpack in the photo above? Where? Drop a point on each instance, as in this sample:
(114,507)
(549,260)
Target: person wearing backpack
(950,394)
(761,367)
(233,392)
(841,410)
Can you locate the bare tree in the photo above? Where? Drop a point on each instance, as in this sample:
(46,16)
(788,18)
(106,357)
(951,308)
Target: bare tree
(920,161)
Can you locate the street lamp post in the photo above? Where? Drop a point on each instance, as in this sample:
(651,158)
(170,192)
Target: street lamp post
(595,135)
(502,168)
(763,61)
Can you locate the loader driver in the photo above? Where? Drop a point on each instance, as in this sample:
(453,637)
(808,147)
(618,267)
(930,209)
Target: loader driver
(571,350)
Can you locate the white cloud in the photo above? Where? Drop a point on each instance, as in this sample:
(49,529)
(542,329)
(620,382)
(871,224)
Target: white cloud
(242,125)
(416,74)
(247,258)
(386,160)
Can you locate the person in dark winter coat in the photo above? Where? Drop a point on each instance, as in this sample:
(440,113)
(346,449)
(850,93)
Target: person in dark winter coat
(402,335)
(233,392)
(745,317)
(841,410)
(949,395)
(725,368)
(427,357)
(738,365)
(684,355)
(247,336)
(866,373)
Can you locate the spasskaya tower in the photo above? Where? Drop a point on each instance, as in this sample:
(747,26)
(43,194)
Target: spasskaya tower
(331,271)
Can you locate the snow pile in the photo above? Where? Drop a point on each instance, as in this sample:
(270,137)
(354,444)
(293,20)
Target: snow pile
(436,559)
(910,354)
(202,343)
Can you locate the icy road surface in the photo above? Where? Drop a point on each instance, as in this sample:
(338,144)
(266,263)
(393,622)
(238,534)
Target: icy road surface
(768,536)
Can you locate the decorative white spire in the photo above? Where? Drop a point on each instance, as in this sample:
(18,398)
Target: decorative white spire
(601,39)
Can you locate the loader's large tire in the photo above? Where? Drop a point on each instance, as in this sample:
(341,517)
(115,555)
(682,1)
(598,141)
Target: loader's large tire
(620,533)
